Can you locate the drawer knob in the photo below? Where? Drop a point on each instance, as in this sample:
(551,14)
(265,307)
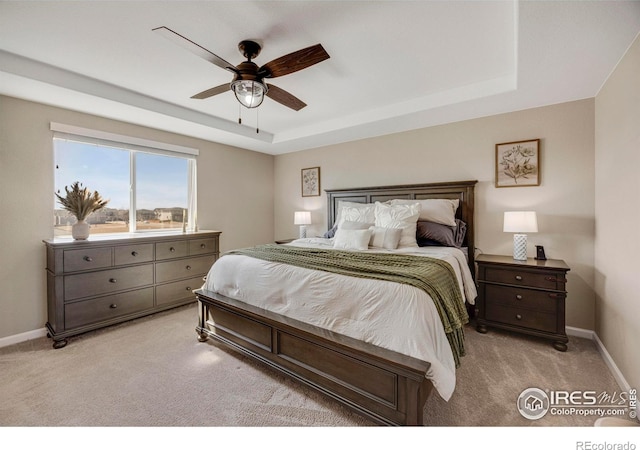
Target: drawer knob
(112,280)
(518,316)
(518,277)
(88,258)
(171,249)
(134,253)
(188,267)
(518,297)
(113,306)
(203,246)
(188,288)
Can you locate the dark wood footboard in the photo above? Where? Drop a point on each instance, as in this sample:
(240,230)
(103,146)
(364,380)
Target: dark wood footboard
(385,386)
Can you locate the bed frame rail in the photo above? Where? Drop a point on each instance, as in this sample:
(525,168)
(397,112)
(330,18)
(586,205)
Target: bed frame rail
(385,386)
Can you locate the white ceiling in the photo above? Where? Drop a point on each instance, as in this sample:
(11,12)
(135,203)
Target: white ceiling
(394,65)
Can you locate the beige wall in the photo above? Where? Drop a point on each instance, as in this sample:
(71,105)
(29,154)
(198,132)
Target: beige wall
(235,189)
(466,151)
(617,267)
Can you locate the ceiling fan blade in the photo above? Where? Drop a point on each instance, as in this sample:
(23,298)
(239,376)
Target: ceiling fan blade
(213,91)
(293,62)
(283,97)
(194,48)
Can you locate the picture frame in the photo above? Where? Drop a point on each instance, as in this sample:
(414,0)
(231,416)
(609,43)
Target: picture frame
(310,178)
(518,163)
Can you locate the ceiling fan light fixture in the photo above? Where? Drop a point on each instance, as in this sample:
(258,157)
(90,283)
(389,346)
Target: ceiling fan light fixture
(250,93)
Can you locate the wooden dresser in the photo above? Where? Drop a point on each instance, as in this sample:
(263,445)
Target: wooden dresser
(106,280)
(523,296)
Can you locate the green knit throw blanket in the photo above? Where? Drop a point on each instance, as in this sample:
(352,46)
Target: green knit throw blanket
(434,276)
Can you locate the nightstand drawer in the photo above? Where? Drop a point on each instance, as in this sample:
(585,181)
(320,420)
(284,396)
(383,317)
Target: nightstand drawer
(107,281)
(90,311)
(86,259)
(521,317)
(523,298)
(132,254)
(538,279)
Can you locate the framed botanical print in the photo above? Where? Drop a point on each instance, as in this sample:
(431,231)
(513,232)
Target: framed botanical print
(518,163)
(311,182)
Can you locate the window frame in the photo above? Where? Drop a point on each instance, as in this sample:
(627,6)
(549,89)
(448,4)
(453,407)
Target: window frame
(135,146)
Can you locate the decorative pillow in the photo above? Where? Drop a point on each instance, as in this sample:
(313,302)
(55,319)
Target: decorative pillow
(431,233)
(355,212)
(352,239)
(388,238)
(399,216)
(349,225)
(438,210)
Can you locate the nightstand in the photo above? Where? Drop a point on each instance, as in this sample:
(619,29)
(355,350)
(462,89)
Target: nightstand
(523,296)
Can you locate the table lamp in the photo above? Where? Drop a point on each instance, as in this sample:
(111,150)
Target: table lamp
(520,222)
(302,218)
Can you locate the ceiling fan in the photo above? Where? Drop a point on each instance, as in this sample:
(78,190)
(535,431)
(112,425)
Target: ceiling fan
(248,83)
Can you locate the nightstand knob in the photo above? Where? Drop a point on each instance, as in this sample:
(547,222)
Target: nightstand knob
(554,279)
(113,306)
(188,267)
(134,253)
(518,277)
(203,246)
(518,316)
(518,297)
(112,280)
(171,249)
(88,258)
(188,288)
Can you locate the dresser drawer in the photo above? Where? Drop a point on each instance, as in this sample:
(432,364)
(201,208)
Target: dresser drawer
(86,259)
(177,291)
(538,279)
(90,311)
(201,246)
(523,298)
(107,281)
(132,254)
(183,268)
(173,249)
(521,317)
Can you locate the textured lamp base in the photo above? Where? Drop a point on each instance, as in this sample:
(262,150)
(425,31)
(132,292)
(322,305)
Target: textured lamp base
(303,231)
(520,247)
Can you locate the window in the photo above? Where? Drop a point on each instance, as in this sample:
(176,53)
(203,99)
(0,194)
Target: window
(150,185)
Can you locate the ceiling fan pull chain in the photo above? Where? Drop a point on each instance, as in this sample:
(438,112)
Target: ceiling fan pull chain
(239,114)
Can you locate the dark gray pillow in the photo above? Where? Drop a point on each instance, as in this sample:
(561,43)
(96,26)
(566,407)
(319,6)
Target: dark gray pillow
(431,233)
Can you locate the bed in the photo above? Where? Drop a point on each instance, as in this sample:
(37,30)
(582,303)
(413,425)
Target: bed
(343,335)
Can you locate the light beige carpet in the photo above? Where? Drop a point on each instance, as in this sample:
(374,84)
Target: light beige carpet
(154,372)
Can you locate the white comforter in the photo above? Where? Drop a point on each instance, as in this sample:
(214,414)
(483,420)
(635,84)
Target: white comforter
(395,316)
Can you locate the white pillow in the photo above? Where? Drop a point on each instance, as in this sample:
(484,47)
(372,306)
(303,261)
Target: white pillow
(399,216)
(438,210)
(349,225)
(388,238)
(352,239)
(355,212)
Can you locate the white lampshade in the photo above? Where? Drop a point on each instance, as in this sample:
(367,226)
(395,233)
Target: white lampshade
(302,218)
(520,222)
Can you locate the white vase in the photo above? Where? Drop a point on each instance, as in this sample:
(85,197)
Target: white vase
(80,230)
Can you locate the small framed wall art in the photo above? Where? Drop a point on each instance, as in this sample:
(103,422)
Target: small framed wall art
(518,163)
(311,182)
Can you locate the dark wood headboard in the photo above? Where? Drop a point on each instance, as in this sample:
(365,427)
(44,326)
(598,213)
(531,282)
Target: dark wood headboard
(462,190)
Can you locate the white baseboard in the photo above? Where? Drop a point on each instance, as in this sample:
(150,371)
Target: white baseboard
(26,336)
(608,360)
